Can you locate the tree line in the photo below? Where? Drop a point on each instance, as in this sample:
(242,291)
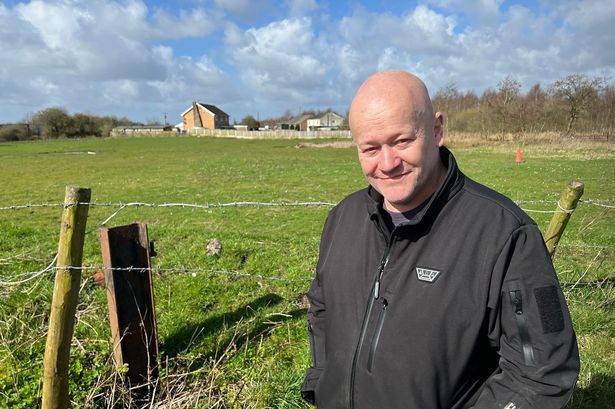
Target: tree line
(573,104)
(55,122)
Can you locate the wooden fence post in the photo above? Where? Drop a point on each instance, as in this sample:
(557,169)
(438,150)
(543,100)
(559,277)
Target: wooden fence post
(130,296)
(565,206)
(65,295)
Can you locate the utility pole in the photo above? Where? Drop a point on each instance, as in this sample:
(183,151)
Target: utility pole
(165,117)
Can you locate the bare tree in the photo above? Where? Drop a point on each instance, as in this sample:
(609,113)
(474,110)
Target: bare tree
(534,109)
(608,110)
(446,100)
(577,91)
(503,107)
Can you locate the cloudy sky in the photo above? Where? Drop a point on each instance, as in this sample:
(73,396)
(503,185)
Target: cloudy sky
(142,59)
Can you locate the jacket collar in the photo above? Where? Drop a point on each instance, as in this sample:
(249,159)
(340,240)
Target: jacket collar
(452,183)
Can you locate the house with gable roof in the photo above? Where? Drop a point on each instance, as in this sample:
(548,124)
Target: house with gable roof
(330,120)
(201,115)
(299,122)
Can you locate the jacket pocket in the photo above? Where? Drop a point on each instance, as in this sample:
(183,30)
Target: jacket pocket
(308,387)
(376,339)
(516,300)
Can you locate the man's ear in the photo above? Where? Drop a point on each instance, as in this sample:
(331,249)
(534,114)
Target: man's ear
(439,128)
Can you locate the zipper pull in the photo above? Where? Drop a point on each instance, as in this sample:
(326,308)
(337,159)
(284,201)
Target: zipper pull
(515,297)
(383,264)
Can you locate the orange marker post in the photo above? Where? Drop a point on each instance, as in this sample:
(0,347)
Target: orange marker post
(518,159)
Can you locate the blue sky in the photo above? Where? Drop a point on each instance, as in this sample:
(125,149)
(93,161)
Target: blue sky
(142,59)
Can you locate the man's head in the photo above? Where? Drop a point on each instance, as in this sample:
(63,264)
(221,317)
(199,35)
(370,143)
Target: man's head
(398,138)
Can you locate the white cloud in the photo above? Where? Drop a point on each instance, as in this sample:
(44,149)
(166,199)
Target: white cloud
(247,10)
(529,44)
(126,58)
(485,12)
(592,25)
(416,40)
(190,23)
(284,60)
(301,7)
(100,56)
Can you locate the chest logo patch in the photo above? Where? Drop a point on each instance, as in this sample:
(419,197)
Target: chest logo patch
(426,274)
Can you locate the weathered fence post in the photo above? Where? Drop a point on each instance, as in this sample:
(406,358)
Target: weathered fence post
(565,206)
(130,296)
(65,295)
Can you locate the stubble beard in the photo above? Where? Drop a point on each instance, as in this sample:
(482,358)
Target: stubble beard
(408,193)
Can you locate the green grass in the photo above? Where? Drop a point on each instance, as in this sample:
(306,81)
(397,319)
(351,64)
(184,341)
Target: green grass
(229,341)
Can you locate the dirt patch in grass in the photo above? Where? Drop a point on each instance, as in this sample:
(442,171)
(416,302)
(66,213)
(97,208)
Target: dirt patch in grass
(336,144)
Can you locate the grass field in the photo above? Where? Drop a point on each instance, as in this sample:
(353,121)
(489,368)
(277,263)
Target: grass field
(241,341)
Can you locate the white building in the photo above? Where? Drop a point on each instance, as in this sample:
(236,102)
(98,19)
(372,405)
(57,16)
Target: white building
(329,121)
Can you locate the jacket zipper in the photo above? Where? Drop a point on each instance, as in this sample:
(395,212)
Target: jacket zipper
(372,350)
(368,313)
(524,335)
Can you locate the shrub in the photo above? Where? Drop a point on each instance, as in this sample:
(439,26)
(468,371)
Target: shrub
(14,132)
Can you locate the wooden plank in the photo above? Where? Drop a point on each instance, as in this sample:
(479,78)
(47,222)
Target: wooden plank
(130,296)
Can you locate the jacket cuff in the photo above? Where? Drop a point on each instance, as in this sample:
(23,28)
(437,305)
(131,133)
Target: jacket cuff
(309,384)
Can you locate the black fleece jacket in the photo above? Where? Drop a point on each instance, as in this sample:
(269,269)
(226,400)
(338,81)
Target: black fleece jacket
(460,308)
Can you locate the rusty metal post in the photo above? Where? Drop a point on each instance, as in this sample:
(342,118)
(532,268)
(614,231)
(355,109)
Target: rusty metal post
(65,296)
(130,297)
(565,207)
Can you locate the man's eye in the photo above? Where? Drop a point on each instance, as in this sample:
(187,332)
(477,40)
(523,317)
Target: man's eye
(368,150)
(404,142)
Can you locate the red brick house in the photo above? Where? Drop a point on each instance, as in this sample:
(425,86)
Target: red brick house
(201,115)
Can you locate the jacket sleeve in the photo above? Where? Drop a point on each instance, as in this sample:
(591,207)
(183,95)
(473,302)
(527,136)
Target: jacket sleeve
(531,329)
(316,317)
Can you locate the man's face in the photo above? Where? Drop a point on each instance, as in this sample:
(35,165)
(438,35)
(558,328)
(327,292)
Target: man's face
(399,154)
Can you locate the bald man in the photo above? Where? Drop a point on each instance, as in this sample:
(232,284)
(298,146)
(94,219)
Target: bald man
(431,291)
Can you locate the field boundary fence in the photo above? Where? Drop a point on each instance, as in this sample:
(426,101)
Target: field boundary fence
(25,277)
(68,268)
(270,133)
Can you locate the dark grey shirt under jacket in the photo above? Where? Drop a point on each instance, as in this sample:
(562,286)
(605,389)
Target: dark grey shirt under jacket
(394,219)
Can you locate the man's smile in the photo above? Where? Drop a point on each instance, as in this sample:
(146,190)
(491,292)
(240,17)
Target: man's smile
(396,177)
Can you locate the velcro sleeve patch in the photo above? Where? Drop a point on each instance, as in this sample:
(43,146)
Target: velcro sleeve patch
(549,308)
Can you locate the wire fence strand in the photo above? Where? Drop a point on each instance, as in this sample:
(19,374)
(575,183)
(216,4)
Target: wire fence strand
(18,279)
(608,204)
(13,279)
(180,205)
(235,273)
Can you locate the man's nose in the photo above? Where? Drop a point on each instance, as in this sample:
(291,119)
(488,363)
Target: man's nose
(389,160)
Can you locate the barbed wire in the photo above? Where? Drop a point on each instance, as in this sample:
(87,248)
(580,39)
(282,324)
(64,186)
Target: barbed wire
(592,246)
(156,269)
(31,206)
(536,210)
(599,203)
(180,205)
(17,278)
(234,273)
(610,204)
